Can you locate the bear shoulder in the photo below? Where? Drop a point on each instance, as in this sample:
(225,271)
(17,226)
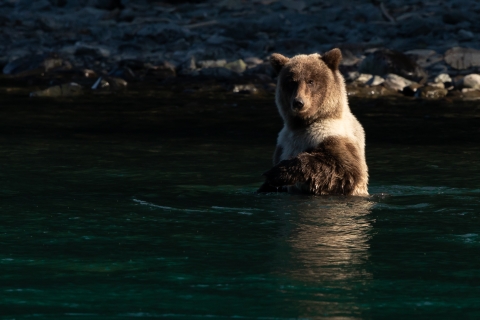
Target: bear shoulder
(321,148)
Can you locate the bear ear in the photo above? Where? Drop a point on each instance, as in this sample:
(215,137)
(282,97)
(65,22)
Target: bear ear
(332,58)
(278,61)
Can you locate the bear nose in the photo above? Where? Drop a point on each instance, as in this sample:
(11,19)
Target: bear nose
(298,103)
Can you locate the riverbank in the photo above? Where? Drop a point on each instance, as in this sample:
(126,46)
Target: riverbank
(390,48)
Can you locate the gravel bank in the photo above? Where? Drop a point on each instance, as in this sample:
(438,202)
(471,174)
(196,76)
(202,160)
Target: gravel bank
(407,48)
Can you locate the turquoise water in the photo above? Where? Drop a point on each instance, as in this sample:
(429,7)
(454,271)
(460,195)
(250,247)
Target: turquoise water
(121,210)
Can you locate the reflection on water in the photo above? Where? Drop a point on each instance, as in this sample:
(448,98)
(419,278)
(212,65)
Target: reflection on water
(329,240)
(322,253)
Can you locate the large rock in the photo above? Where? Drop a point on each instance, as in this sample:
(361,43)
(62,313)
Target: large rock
(462,58)
(385,61)
(471,81)
(395,82)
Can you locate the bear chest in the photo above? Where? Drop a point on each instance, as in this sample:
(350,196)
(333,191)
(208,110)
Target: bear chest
(298,141)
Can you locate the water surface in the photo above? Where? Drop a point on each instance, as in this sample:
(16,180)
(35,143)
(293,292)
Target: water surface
(120,208)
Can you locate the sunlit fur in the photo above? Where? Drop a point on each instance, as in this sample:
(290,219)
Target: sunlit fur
(325,114)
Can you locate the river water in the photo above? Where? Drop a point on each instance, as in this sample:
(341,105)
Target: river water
(143,206)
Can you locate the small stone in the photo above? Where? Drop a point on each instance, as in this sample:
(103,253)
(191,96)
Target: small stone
(188,67)
(101,83)
(89,73)
(212,63)
(395,82)
(369,92)
(429,92)
(82,49)
(117,83)
(180,45)
(229,4)
(471,81)
(420,53)
(352,76)
(163,33)
(33,63)
(442,78)
(245,88)
(218,40)
(436,85)
(470,94)
(162,71)
(349,59)
(48,24)
(367,79)
(64,90)
(462,58)
(363,78)
(465,35)
(375,81)
(411,89)
(237,66)
(297,5)
(123,72)
(253,61)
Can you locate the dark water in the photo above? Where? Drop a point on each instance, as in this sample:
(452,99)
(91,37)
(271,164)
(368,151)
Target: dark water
(145,208)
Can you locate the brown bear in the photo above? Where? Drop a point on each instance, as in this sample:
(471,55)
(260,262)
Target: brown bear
(321,148)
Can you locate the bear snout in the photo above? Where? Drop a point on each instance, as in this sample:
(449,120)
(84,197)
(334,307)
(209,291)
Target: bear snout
(298,104)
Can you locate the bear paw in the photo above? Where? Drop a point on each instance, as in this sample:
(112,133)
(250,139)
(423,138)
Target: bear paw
(286,173)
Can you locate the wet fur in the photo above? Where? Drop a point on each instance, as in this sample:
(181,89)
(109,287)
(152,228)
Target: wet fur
(320,150)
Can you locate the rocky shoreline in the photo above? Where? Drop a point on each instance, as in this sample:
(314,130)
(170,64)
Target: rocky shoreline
(417,49)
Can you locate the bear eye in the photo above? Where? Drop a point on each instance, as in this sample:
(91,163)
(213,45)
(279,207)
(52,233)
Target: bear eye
(289,81)
(310,82)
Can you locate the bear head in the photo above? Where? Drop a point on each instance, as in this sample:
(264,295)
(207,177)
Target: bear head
(309,88)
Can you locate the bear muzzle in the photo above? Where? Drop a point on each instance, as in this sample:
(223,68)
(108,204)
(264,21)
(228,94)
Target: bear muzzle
(298,104)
